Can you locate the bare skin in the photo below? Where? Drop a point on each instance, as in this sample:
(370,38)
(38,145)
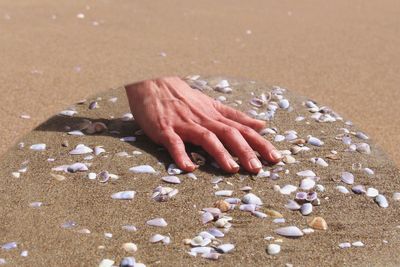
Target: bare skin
(170,113)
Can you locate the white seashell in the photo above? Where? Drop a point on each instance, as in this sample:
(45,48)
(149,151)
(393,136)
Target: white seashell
(106,263)
(259,214)
(38,147)
(222,84)
(221,98)
(289,231)
(98,150)
(299,118)
(216,233)
(319,161)
(308,231)
(233,200)
(157,222)
(103,176)
(306,209)
(288,189)
(142,169)
(36,204)
(342,189)
(320,188)
(358,189)
(263,174)
(128,139)
(24,253)
(171,179)
(284,104)
(9,246)
(396,196)
(279,138)
(368,171)
(246,188)
(77,167)
(108,235)
(16,174)
(273,249)
(372,192)
(128,262)
(306,173)
(344,245)
(76,133)
(363,148)
(129,247)
(224,193)
(206,235)
(382,201)
(347,177)
(291,136)
(307,184)
(129,228)
(199,241)
(362,135)
(250,198)
(92,175)
(68,113)
(311,104)
(173,169)
(225,248)
(206,217)
(248,207)
(124,195)
(127,117)
(211,256)
(201,250)
(292,205)
(81,149)
(357,244)
(222,222)
(314,141)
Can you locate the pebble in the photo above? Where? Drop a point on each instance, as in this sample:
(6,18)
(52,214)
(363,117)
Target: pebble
(273,249)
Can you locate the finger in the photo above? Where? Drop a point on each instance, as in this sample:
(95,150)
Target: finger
(176,149)
(235,142)
(240,117)
(256,141)
(201,136)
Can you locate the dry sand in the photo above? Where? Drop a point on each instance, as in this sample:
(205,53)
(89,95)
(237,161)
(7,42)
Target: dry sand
(345,53)
(350,217)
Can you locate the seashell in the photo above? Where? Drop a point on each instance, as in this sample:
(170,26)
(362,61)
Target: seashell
(16,174)
(38,147)
(358,189)
(173,169)
(311,196)
(216,233)
(9,246)
(296,150)
(103,176)
(206,217)
(289,231)
(206,235)
(263,174)
(76,133)
(346,140)
(68,113)
(292,205)
(171,179)
(273,214)
(113,99)
(108,235)
(396,196)
(306,173)
(128,262)
(96,127)
(284,104)
(363,148)
(222,205)
(357,244)
(124,195)
(311,104)
(24,253)
(319,161)
(222,84)
(288,189)
(211,256)
(306,209)
(83,231)
(299,118)
(288,159)
(36,204)
(201,250)
(225,248)
(81,149)
(77,167)
(344,245)
(198,159)
(320,188)
(259,214)
(368,171)
(347,177)
(93,105)
(246,188)
(342,189)
(250,198)
(216,180)
(279,138)
(248,207)
(222,222)
(233,200)
(307,184)
(127,117)
(257,102)
(314,141)
(308,231)
(213,211)
(143,169)
(157,222)
(98,150)
(106,263)
(273,249)
(381,201)
(192,176)
(333,157)
(69,225)
(224,193)
(92,175)
(372,192)
(221,98)
(199,241)
(128,139)
(129,228)
(362,135)
(129,247)
(317,223)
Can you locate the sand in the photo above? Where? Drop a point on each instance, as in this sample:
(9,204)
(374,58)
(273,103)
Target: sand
(344,53)
(350,217)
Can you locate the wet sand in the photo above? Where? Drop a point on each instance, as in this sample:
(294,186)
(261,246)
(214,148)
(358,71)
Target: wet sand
(345,54)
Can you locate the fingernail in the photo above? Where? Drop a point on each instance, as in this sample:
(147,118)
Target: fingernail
(275,154)
(233,164)
(255,164)
(189,164)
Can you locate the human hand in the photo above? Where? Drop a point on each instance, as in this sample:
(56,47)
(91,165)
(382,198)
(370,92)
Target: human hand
(170,112)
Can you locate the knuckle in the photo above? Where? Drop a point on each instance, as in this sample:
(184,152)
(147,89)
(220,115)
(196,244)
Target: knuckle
(247,152)
(207,135)
(248,131)
(229,131)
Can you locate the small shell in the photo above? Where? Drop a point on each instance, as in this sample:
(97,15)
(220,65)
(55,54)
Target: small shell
(222,205)
(292,205)
(93,105)
(306,173)
(347,177)
(129,247)
(201,250)
(289,231)
(342,189)
(273,249)
(284,104)
(199,241)
(68,113)
(124,195)
(106,263)
(128,139)
(344,245)
(273,214)
(396,196)
(156,238)
(128,262)
(259,214)
(173,169)
(38,147)
(315,141)
(77,167)
(372,192)
(92,175)
(157,222)
(368,171)
(171,179)
(224,193)
(306,209)
(81,149)
(279,138)
(317,223)
(362,135)
(198,159)
(363,148)
(206,217)
(250,198)
(248,207)
(289,159)
(211,256)
(358,189)
(307,184)
(225,248)
(381,201)
(98,150)
(143,169)
(357,244)
(216,233)
(319,161)
(288,189)
(9,246)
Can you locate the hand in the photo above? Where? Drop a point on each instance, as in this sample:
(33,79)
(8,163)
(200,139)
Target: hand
(171,113)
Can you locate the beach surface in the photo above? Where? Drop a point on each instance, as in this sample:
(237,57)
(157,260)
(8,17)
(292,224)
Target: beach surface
(344,54)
